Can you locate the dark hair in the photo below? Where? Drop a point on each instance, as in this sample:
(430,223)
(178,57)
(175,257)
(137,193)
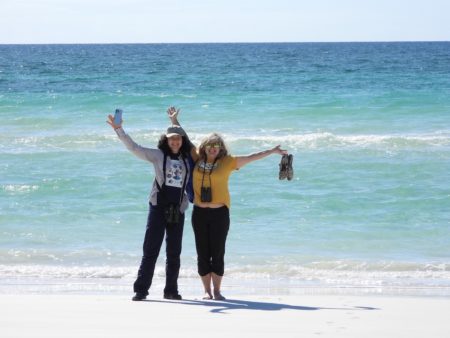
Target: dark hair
(163,145)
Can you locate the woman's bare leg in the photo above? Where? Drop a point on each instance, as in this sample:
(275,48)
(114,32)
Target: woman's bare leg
(217,281)
(206,280)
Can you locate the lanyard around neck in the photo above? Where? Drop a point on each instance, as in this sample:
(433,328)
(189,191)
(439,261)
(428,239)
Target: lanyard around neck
(209,173)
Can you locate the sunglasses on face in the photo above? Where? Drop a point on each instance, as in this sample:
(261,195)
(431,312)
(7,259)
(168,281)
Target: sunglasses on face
(214,145)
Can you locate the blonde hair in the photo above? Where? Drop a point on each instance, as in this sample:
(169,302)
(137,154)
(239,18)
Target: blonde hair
(211,139)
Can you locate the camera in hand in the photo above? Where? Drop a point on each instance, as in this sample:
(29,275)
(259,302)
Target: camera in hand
(206,194)
(172,213)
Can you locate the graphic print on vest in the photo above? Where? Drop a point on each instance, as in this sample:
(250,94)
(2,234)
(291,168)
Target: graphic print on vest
(174,174)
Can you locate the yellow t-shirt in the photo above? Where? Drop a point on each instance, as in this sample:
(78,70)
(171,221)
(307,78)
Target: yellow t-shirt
(219,179)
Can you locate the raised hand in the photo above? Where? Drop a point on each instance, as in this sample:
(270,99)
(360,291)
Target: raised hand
(173,114)
(111,122)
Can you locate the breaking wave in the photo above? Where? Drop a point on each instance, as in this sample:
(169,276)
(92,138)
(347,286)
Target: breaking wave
(314,141)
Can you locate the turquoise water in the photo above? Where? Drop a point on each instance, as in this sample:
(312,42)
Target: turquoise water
(368,124)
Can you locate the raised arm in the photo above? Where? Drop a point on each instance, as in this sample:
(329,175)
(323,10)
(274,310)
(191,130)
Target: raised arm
(172,112)
(143,153)
(243,160)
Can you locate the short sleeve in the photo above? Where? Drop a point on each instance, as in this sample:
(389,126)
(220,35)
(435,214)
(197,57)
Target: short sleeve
(231,162)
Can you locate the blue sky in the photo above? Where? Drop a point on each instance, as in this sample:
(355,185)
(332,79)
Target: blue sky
(147,21)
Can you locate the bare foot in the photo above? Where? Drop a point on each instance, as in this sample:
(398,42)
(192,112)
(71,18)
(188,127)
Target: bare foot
(208,295)
(218,296)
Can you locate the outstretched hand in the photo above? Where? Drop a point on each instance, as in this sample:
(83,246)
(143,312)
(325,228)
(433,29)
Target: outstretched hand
(112,124)
(278,150)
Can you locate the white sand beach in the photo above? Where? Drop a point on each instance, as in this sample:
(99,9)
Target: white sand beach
(250,316)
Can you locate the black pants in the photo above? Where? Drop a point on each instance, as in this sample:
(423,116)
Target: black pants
(156,228)
(210,229)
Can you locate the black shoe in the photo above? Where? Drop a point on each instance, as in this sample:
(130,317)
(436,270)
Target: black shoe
(283,167)
(290,169)
(173,296)
(139,296)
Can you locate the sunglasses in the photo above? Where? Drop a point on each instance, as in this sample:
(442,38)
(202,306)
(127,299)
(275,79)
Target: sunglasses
(215,146)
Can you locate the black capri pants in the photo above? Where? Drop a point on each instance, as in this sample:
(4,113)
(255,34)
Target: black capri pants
(211,229)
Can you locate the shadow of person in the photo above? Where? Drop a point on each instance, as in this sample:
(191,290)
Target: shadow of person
(224,306)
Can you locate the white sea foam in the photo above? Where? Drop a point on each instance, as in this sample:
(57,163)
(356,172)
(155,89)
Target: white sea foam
(330,140)
(327,139)
(317,140)
(60,271)
(19,188)
(361,275)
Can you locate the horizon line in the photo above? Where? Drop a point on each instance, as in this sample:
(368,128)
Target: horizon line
(212,42)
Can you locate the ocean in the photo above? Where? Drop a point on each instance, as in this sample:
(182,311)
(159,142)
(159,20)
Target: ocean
(368,125)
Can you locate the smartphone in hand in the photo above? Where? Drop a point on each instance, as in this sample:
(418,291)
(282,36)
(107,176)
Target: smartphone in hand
(118,117)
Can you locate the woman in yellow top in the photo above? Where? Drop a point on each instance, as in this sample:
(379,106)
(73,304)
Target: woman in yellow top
(211,217)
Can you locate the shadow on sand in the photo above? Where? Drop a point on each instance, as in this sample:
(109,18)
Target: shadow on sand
(234,304)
